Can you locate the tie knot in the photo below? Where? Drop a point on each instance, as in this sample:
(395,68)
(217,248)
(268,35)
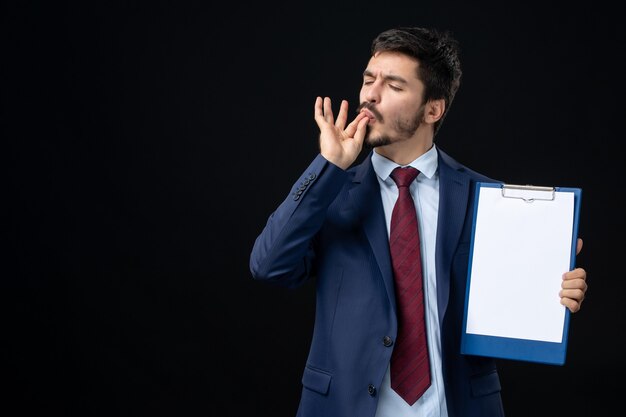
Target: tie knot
(404,176)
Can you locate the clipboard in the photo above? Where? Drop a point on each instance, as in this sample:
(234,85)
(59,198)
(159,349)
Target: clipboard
(523,239)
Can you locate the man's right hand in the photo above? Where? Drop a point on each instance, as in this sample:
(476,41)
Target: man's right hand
(339,144)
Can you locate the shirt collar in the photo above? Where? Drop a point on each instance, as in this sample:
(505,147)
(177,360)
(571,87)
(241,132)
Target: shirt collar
(426,164)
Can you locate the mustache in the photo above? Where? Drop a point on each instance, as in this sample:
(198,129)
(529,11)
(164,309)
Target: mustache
(371,108)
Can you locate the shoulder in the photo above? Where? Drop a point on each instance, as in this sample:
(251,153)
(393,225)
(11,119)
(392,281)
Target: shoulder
(447,162)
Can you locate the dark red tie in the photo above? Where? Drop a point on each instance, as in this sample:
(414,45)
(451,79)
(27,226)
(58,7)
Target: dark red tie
(410,369)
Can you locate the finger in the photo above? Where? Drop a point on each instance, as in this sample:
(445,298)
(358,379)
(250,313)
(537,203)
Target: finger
(574,293)
(576,289)
(342,117)
(318,111)
(572,305)
(318,106)
(577,273)
(328,111)
(352,127)
(576,284)
(579,245)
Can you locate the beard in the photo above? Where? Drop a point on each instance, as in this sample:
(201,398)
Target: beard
(404,129)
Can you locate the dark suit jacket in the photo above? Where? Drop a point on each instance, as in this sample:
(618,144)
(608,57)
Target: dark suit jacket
(332,226)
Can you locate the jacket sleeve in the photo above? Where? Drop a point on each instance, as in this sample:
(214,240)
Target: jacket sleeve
(283,253)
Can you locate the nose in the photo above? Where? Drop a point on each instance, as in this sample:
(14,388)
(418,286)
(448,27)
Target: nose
(371,92)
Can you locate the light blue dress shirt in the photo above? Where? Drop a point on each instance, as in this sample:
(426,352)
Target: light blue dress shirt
(425,193)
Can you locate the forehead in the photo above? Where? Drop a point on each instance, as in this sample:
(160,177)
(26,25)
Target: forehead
(393,64)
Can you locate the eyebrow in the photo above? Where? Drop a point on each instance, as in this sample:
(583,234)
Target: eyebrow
(396,78)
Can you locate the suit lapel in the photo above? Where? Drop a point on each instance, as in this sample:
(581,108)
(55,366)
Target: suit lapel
(454,189)
(365,195)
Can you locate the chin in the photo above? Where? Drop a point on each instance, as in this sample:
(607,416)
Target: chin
(374,141)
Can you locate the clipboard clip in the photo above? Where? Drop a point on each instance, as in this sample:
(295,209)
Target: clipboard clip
(528,193)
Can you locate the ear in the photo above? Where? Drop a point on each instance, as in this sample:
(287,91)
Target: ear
(434,110)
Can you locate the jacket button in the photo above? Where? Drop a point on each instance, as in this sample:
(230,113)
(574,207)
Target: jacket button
(371,390)
(387,341)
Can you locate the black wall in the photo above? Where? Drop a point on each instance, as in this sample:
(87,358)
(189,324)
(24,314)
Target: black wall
(146,144)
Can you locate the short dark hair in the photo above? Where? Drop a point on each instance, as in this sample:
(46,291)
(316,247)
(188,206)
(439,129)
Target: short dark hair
(438,55)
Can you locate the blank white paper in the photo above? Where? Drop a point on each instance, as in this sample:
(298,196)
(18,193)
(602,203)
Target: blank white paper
(521,250)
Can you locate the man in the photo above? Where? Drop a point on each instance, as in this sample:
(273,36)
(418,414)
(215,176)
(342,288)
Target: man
(338,225)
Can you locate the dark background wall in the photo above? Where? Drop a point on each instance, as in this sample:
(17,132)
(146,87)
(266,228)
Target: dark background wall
(146,144)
